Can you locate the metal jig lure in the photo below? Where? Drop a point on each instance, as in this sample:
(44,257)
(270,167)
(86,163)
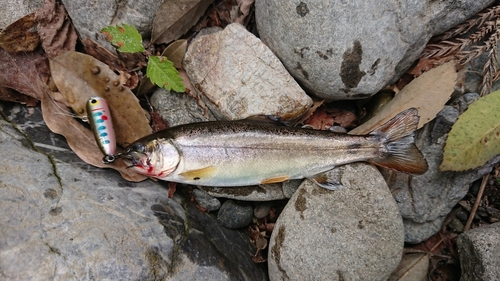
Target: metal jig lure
(99,117)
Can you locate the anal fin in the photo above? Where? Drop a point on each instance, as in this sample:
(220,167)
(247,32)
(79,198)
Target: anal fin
(328,180)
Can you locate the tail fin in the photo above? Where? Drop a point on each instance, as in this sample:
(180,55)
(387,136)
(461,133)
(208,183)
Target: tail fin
(399,152)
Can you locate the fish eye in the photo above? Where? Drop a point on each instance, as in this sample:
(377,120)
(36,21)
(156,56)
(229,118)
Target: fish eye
(138,147)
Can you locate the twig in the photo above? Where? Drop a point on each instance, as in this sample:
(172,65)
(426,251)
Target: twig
(476,203)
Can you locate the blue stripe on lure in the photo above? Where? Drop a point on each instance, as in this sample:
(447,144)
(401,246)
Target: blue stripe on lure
(99,117)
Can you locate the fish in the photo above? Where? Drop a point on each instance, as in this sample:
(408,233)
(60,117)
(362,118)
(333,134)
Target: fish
(242,153)
(99,118)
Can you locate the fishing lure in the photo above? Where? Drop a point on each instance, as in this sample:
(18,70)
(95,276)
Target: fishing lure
(99,117)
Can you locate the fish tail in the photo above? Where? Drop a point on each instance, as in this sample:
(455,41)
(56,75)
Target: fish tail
(399,151)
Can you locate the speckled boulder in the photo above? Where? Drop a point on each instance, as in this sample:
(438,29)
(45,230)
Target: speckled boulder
(355,233)
(351,49)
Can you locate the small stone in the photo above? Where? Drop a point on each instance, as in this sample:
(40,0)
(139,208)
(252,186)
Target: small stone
(235,214)
(263,192)
(262,209)
(178,108)
(462,215)
(205,200)
(456,225)
(478,251)
(289,187)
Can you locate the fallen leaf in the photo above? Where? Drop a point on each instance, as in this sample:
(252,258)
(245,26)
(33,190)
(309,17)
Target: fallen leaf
(22,71)
(475,137)
(428,94)
(324,118)
(80,139)
(413,267)
(102,54)
(242,10)
(20,36)
(162,72)
(56,31)
(79,77)
(175,52)
(175,17)
(125,37)
(7,94)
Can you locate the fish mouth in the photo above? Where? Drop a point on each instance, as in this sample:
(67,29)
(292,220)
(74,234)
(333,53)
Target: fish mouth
(138,161)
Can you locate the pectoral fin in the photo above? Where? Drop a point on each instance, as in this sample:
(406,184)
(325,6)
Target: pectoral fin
(330,181)
(198,174)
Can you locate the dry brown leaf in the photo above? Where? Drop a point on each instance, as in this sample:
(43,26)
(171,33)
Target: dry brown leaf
(242,10)
(174,18)
(55,29)
(102,54)
(175,52)
(324,118)
(79,77)
(413,267)
(7,94)
(80,139)
(22,71)
(20,36)
(428,93)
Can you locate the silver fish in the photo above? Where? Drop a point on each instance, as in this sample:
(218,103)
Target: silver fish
(240,153)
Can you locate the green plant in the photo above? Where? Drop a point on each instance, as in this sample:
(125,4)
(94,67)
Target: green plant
(160,70)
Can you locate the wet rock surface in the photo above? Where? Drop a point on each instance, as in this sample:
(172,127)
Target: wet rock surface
(351,49)
(66,220)
(354,233)
(478,249)
(240,77)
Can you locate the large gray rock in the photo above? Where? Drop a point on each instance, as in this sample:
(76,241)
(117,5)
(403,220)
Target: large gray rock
(479,250)
(239,76)
(15,9)
(89,17)
(425,200)
(354,233)
(67,220)
(351,49)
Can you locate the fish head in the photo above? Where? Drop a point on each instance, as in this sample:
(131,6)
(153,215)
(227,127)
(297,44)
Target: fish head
(155,158)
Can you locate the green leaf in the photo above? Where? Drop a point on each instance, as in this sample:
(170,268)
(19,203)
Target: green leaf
(125,37)
(162,72)
(475,137)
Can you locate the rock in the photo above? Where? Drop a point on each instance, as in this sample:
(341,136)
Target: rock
(351,49)
(89,17)
(238,76)
(354,233)
(263,192)
(66,220)
(13,10)
(262,209)
(478,250)
(178,108)
(205,200)
(235,214)
(289,187)
(425,200)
